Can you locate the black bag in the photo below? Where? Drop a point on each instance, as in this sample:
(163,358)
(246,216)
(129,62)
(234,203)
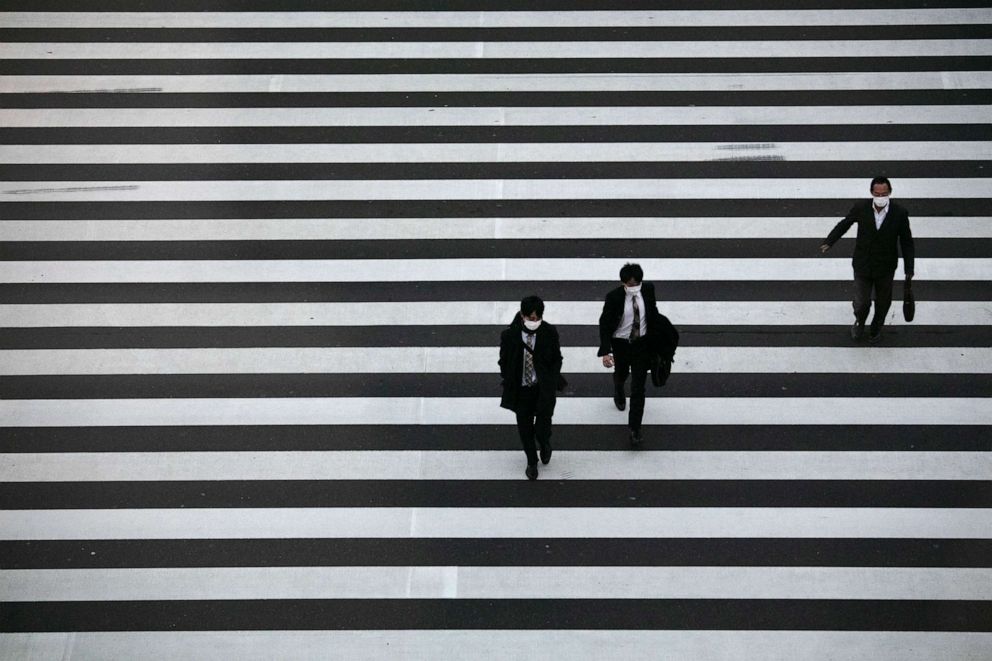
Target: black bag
(908,304)
(663,354)
(661,369)
(668,338)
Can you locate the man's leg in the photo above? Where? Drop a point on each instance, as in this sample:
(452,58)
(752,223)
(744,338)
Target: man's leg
(883,301)
(526,406)
(861,304)
(621,368)
(639,374)
(542,430)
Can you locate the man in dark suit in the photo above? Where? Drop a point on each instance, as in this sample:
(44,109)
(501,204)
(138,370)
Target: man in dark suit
(628,334)
(530,364)
(883,228)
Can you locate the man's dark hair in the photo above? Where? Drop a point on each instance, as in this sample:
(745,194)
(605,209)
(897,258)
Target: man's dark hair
(531,304)
(631,271)
(880,180)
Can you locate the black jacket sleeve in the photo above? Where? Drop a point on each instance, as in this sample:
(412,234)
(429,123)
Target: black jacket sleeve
(841,228)
(908,249)
(608,321)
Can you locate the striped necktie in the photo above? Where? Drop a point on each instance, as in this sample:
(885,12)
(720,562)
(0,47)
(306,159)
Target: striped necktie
(635,331)
(529,376)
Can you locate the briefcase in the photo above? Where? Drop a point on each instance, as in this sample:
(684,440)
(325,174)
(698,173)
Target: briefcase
(908,305)
(661,369)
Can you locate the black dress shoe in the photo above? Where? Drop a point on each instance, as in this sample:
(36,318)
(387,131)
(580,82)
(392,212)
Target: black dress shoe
(531,471)
(619,398)
(545,454)
(875,335)
(857,331)
(635,438)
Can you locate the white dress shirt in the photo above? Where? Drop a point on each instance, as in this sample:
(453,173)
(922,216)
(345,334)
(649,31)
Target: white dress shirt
(627,322)
(880,215)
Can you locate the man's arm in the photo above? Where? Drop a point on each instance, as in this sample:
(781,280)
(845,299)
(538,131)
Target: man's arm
(908,249)
(839,229)
(504,355)
(605,332)
(556,358)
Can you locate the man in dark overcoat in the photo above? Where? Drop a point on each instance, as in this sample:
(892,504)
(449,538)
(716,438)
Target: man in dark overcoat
(629,335)
(530,364)
(883,228)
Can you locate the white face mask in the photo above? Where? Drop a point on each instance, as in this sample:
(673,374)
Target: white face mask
(881,202)
(532,325)
(632,290)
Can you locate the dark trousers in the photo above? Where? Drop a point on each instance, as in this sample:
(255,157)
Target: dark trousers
(863,286)
(530,425)
(632,358)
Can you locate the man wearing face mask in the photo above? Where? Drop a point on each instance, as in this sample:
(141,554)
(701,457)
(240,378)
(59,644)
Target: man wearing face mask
(530,364)
(630,317)
(883,228)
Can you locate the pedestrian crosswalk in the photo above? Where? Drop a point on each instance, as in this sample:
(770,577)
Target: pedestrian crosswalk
(254,262)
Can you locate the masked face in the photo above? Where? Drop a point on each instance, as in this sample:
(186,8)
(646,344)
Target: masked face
(532,325)
(880,195)
(632,290)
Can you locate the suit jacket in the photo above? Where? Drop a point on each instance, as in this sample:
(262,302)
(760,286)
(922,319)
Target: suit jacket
(547,364)
(612,314)
(876,250)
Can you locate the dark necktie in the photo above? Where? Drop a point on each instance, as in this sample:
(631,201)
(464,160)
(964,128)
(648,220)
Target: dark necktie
(635,331)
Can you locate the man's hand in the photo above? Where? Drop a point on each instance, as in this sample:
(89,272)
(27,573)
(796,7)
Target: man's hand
(608,360)
(824,247)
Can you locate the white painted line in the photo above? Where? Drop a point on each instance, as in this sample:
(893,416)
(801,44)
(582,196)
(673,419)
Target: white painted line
(898,80)
(486,411)
(655,152)
(477,189)
(491,116)
(484,313)
(493,523)
(495,49)
(490,465)
(495,583)
(340,229)
(482,360)
(446,645)
(495,153)
(473,19)
(460,269)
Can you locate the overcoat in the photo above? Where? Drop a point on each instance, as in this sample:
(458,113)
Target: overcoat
(547,365)
(876,251)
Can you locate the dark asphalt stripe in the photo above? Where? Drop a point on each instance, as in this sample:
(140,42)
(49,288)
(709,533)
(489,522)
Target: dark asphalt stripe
(134,386)
(374,292)
(473,66)
(441,208)
(495,34)
(156,98)
(406,7)
(520,614)
(109,337)
(772,133)
(260,438)
(495,493)
(502,552)
(618,249)
(732,165)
